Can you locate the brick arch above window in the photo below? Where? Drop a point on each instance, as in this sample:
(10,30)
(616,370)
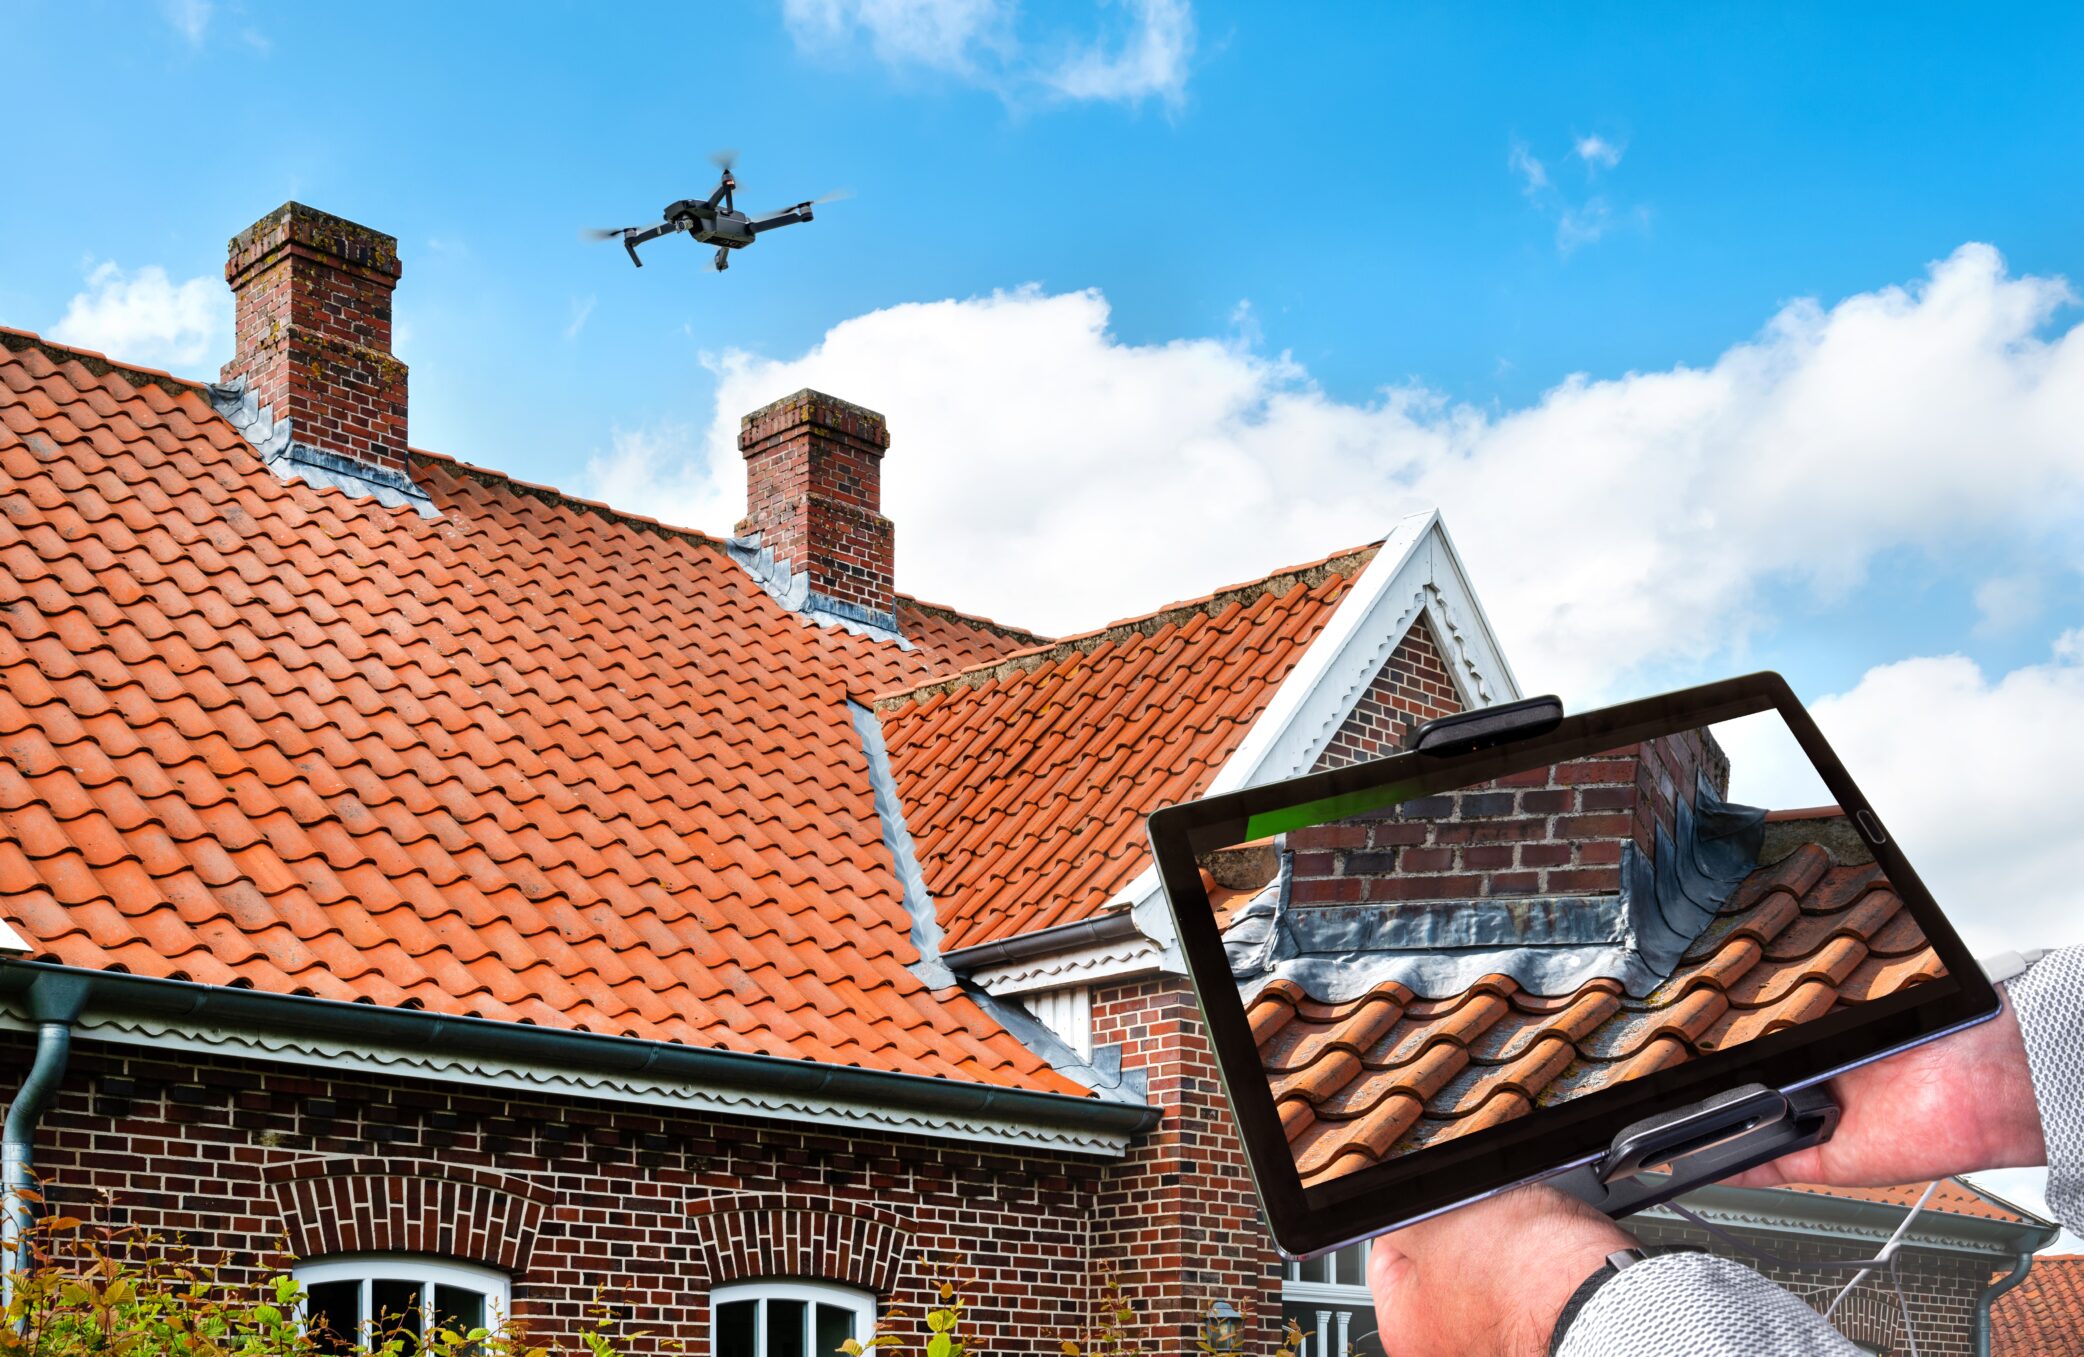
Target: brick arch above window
(754,1235)
(332,1206)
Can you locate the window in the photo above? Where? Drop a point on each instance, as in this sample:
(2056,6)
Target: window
(787,1319)
(1329,1298)
(350,1301)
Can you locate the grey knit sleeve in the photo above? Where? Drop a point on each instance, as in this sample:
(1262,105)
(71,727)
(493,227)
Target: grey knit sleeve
(1701,1306)
(2049,999)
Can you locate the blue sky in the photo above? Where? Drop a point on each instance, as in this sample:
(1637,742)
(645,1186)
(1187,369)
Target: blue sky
(1726,336)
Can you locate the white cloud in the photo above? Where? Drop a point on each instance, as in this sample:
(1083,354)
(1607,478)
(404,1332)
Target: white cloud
(1597,152)
(984,42)
(145,317)
(943,35)
(581,312)
(1045,472)
(2008,602)
(1532,172)
(190,18)
(1579,221)
(1151,61)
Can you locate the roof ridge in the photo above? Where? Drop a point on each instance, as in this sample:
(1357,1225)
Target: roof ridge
(99,363)
(1309,574)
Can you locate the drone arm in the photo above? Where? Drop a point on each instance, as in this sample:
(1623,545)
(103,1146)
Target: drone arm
(788,216)
(634,237)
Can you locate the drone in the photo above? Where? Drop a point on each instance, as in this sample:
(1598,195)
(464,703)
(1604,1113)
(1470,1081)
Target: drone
(714,220)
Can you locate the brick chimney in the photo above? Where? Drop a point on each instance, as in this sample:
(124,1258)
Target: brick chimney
(814,493)
(323,397)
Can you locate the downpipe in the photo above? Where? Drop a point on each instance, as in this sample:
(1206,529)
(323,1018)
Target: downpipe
(18,1153)
(1988,1299)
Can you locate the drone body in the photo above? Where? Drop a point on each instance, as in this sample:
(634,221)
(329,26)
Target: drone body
(714,220)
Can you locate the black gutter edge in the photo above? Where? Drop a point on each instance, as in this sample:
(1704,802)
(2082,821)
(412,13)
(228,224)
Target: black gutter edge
(1114,927)
(2005,1236)
(581,1052)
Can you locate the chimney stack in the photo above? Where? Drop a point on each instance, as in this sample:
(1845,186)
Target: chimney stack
(324,398)
(814,492)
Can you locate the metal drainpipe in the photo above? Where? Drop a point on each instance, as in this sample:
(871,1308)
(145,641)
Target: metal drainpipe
(1989,1297)
(18,1153)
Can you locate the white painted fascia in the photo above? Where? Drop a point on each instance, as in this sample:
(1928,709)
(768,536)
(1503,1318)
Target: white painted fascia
(1416,573)
(202,1039)
(1123,959)
(11,941)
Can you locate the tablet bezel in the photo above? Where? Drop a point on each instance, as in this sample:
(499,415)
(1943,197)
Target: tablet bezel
(1308,1222)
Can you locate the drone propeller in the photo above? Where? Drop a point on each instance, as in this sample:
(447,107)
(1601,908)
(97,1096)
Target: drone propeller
(837,195)
(600,233)
(724,159)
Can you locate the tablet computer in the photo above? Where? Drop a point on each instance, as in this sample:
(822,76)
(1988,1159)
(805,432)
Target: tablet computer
(1501,955)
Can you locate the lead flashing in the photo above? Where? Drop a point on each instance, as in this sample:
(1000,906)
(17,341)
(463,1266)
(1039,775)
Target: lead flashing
(291,460)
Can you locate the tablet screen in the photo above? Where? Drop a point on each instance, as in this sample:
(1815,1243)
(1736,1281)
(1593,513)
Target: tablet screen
(1420,963)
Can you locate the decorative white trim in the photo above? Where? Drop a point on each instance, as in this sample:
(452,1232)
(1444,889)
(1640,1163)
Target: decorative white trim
(1068,1012)
(856,1302)
(1118,960)
(1927,1232)
(11,941)
(1416,572)
(539,1079)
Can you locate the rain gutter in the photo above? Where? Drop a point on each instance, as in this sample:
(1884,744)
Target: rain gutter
(585,1053)
(1115,927)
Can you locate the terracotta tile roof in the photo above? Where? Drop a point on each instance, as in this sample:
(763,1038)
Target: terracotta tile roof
(2043,1316)
(1954,1197)
(1025,781)
(533,760)
(1392,1071)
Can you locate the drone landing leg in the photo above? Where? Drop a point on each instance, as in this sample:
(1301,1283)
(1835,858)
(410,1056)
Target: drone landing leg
(723,259)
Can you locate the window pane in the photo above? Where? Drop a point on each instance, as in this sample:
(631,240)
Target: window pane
(458,1308)
(835,1326)
(397,1307)
(333,1310)
(1351,1271)
(735,1322)
(788,1324)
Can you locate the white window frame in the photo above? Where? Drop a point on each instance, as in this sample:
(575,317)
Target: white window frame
(836,1294)
(1331,1334)
(366,1268)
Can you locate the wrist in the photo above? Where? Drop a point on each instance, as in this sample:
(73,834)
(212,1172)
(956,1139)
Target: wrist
(2009,1113)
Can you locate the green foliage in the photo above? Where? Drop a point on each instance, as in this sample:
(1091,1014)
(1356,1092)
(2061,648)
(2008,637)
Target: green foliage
(124,1293)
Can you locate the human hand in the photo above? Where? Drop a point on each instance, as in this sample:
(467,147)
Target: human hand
(1487,1279)
(1956,1105)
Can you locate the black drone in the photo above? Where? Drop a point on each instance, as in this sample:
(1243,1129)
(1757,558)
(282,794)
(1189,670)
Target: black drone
(714,220)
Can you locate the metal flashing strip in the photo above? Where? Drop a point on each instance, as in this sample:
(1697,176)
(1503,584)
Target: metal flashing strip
(294,461)
(206,1019)
(1101,1072)
(1548,944)
(792,590)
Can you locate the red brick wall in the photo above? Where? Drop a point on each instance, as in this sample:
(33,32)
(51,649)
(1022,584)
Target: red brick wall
(1178,1221)
(653,1205)
(814,488)
(1556,830)
(1412,687)
(313,327)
